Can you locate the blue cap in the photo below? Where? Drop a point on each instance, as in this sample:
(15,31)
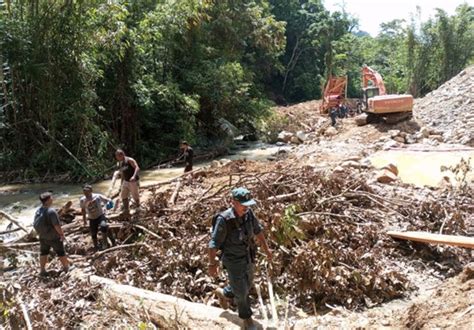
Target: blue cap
(242,195)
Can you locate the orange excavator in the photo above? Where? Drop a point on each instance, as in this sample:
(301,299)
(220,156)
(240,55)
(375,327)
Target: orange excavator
(378,105)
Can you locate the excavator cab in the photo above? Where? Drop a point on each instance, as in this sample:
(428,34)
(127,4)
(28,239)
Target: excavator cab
(368,93)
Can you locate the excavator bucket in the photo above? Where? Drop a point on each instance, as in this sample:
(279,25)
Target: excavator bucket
(334,93)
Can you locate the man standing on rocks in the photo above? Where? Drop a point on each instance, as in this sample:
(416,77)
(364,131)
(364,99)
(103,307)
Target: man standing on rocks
(233,232)
(128,169)
(51,235)
(91,206)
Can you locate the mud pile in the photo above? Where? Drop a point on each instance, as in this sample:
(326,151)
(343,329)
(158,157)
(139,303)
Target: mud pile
(449,110)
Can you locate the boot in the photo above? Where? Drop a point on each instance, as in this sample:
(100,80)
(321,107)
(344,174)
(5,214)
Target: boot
(105,244)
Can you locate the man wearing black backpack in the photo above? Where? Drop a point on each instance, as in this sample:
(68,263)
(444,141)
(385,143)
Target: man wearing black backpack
(233,232)
(46,224)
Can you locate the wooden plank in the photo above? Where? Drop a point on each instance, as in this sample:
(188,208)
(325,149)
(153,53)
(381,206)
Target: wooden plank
(425,237)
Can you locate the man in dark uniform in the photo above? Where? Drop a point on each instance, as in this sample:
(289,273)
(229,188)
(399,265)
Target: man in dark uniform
(187,154)
(128,169)
(233,232)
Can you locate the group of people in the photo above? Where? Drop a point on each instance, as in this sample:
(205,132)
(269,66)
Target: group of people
(234,232)
(340,111)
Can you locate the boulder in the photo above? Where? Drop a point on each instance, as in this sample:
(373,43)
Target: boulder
(438,138)
(425,132)
(394,133)
(224,161)
(410,139)
(361,120)
(385,176)
(338,169)
(285,136)
(215,164)
(399,139)
(392,168)
(330,131)
(301,136)
(294,139)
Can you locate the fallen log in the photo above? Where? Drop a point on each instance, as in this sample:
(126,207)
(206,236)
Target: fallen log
(13,220)
(424,237)
(281,198)
(175,194)
(168,311)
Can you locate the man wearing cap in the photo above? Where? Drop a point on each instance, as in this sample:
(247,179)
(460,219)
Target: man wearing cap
(233,232)
(128,169)
(91,206)
(51,235)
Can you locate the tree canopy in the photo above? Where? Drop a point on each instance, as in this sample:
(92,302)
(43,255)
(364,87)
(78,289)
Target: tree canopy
(80,78)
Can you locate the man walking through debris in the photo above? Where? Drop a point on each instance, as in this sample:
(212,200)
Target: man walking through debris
(187,153)
(91,206)
(233,232)
(46,224)
(129,169)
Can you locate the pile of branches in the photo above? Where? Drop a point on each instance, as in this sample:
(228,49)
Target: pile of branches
(327,231)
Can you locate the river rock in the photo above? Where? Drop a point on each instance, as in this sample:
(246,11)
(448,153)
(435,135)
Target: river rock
(351,163)
(301,135)
(394,133)
(361,120)
(330,131)
(399,139)
(425,132)
(294,139)
(285,136)
(438,138)
(385,176)
(280,144)
(392,168)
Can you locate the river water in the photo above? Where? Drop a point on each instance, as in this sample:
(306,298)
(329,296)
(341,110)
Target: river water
(21,200)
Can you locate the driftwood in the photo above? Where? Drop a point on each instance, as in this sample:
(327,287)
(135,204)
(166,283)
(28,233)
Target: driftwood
(424,237)
(168,311)
(13,220)
(281,198)
(174,196)
(118,247)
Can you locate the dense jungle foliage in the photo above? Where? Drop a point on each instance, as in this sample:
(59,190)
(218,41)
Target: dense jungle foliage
(80,78)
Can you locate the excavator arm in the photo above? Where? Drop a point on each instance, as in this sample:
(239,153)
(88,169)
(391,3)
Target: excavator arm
(370,75)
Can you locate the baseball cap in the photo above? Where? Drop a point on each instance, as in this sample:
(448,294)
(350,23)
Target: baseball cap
(242,195)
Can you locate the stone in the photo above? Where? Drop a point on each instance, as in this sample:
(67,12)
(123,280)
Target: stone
(410,139)
(351,163)
(438,138)
(391,144)
(399,139)
(361,120)
(301,136)
(394,133)
(392,168)
(285,136)
(224,161)
(280,144)
(425,132)
(385,176)
(338,169)
(294,139)
(330,131)
(215,164)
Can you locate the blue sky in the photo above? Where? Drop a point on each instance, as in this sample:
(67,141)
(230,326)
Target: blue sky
(373,12)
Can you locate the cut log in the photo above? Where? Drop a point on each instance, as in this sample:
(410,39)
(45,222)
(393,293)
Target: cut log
(174,197)
(168,311)
(424,237)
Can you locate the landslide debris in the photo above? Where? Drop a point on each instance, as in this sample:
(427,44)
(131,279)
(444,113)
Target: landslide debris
(449,110)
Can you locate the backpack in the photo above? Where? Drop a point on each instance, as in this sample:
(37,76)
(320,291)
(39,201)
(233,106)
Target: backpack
(231,224)
(40,216)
